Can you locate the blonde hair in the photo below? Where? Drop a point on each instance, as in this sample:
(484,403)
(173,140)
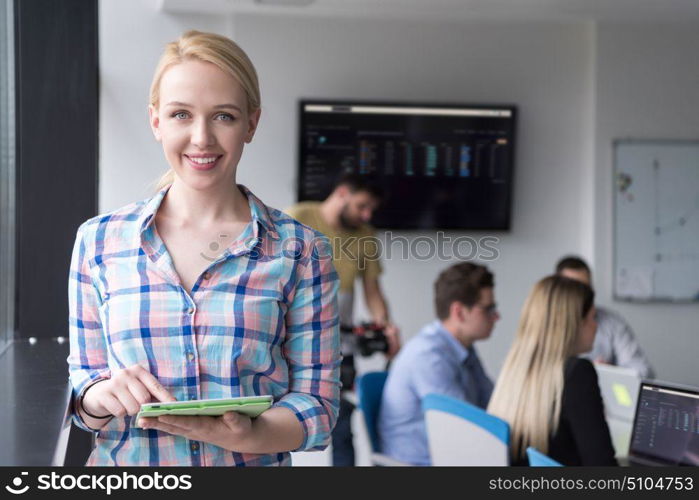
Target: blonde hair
(529,390)
(215,49)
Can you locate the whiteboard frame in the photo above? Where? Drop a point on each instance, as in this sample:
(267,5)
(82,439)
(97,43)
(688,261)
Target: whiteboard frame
(616,143)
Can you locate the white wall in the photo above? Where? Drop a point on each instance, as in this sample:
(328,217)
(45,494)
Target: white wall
(542,68)
(647,88)
(549,70)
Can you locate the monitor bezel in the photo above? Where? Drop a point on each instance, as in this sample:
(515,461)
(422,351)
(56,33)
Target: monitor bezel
(513,108)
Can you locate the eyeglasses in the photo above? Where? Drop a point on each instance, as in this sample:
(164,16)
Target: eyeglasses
(490,309)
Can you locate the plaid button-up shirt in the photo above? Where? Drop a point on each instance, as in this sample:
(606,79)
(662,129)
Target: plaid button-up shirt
(261,320)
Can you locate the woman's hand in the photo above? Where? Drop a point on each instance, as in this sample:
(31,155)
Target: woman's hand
(124,393)
(229,431)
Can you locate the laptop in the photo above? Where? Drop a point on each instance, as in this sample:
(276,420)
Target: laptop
(619,387)
(666,426)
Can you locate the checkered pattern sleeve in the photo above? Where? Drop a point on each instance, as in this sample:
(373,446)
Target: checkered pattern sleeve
(87,360)
(312,346)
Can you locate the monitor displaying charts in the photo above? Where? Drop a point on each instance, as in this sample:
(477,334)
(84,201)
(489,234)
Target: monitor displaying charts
(441,166)
(666,427)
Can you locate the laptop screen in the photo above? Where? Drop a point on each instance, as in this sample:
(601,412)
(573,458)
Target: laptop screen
(619,387)
(666,427)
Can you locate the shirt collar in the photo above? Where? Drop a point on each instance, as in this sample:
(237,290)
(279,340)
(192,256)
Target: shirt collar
(149,210)
(461,352)
(258,212)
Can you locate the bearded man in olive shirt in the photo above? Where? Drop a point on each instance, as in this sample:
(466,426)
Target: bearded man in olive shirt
(344,218)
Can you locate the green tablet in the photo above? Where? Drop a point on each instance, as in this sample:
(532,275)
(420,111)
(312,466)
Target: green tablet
(251,406)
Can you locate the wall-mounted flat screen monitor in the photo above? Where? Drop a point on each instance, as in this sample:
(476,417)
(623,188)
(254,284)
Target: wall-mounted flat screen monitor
(441,166)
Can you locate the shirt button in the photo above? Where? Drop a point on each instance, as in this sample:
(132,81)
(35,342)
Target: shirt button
(190,356)
(195,447)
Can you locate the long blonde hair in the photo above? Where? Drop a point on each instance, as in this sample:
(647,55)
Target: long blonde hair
(215,49)
(529,389)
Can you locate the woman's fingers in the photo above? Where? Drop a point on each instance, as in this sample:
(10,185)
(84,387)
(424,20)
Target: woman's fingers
(139,391)
(129,388)
(182,421)
(154,386)
(152,423)
(128,401)
(112,404)
(190,427)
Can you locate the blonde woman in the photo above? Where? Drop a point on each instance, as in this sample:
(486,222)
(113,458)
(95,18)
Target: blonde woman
(203,291)
(549,396)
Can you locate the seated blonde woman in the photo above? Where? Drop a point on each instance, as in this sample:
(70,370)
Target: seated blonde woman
(549,396)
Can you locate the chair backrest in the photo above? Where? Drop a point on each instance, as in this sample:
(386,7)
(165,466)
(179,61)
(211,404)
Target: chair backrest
(538,459)
(459,433)
(370,389)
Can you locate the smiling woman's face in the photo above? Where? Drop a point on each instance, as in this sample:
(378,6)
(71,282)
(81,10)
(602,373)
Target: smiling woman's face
(202,123)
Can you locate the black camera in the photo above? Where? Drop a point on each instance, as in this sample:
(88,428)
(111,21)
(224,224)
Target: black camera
(369,338)
(365,339)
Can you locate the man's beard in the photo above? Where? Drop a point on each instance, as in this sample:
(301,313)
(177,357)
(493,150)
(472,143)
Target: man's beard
(346,222)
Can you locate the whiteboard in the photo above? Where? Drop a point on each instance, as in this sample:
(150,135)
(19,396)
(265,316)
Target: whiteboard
(656,220)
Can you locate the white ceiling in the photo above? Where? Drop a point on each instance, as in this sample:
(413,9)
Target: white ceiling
(501,10)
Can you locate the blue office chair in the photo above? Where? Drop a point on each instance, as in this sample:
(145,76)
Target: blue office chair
(538,459)
(459,433)
(370,390)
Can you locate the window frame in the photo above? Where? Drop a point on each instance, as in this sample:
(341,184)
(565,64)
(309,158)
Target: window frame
(7,175)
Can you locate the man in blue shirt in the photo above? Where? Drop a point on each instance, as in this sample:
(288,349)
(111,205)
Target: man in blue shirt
(615,342)
(440,359)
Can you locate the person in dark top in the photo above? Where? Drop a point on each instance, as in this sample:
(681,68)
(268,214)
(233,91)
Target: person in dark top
(582,437)
(548,395)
